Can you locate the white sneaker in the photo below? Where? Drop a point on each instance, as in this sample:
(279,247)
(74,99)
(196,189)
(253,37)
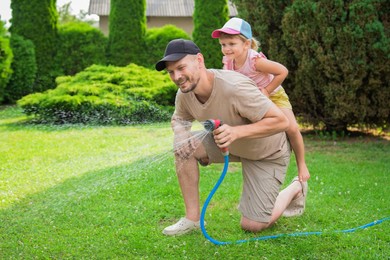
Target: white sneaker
(183,226)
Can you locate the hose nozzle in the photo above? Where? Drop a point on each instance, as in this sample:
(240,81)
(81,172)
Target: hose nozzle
(212,124)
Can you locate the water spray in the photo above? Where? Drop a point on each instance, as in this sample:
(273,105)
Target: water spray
(212,124)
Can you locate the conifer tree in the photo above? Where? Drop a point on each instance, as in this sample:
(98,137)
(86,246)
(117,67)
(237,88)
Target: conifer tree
(127,28)
(208,16)
(36,20)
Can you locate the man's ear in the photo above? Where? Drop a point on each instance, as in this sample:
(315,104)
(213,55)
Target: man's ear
(200,59)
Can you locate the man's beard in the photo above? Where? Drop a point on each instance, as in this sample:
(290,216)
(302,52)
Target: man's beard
(190,88)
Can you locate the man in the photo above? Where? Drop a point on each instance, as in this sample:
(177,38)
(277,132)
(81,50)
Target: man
(253,130)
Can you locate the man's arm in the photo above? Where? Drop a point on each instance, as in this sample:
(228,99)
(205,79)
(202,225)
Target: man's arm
(183,143)
(273,122)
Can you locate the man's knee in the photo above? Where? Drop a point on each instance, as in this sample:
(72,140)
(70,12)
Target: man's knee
(204,161)
(253,226)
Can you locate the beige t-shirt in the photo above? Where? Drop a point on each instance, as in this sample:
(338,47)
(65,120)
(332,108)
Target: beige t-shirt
(236,100)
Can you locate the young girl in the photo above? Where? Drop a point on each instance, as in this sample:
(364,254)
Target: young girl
(239,50)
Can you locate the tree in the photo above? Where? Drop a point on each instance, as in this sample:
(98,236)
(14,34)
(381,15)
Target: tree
(343,50)
(36,20)
(208,16)
(127,26)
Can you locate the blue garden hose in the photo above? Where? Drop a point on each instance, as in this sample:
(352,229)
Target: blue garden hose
(216,186)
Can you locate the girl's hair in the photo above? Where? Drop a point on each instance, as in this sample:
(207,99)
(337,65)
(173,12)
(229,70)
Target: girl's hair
(255,44)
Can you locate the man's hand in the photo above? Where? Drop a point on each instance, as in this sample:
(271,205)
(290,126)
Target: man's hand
(224,135)
(184,145)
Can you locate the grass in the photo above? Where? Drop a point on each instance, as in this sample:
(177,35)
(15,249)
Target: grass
(83,192)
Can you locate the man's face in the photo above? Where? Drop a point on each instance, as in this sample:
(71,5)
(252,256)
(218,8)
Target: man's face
(184,73)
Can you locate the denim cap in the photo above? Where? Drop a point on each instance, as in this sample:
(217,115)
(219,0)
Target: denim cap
(234,26)
(176,50)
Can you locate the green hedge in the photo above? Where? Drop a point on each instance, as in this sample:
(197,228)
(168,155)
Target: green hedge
(157,39)
(81,45)
(343,72)
(24,69)
(337,53)
(6,57)
(105,95)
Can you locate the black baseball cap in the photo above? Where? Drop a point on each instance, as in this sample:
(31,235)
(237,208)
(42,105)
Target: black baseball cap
(176,50)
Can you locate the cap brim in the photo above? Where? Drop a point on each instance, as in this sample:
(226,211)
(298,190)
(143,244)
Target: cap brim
(217,33)
(160,65)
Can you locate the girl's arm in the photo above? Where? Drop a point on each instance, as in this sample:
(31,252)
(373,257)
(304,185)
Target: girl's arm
(279,71)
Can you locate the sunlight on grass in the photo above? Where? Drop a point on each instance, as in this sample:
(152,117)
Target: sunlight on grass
(36,157)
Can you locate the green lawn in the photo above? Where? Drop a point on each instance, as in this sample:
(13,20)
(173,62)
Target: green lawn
(83,192)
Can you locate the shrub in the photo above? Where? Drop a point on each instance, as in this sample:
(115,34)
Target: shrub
(24,69)
(6,57)
(105,95)
(337,53)
(81,45)
(343,72)
(157,39)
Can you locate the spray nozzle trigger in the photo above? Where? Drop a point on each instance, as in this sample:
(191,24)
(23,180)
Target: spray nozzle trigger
(212,124)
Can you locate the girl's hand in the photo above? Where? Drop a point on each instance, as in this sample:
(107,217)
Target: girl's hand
(303,173)
(265,92)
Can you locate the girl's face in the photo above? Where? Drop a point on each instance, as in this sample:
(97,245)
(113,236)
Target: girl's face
(234,47)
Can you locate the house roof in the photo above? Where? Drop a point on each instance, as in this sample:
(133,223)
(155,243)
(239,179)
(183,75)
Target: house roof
(169,8)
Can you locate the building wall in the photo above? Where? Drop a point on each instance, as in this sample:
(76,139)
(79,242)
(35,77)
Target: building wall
(103,24)
(184,23)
